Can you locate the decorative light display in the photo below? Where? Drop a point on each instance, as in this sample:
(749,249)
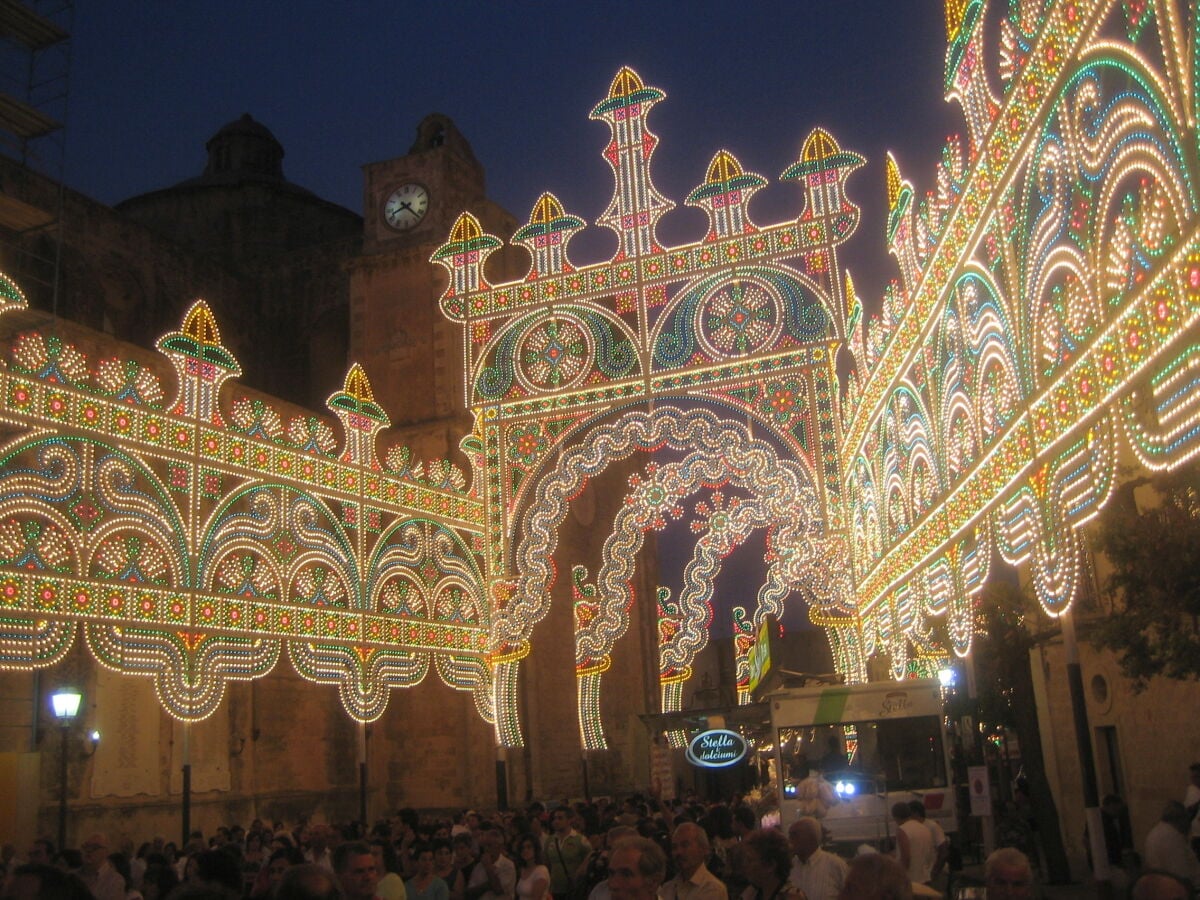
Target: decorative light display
(573,368)
(193,545)
(1043,324)
(1045,313)
(1056,297)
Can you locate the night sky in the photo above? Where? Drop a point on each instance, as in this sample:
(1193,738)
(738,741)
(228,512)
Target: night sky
(341,84)
(345,83)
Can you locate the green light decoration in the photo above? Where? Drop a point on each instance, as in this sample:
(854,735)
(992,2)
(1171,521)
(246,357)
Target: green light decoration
(1043,324)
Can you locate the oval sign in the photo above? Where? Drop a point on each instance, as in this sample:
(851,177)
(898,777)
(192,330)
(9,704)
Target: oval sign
(716,748)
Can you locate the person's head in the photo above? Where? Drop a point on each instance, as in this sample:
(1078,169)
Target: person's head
(385,856)
(1008,874)
(308,881)
(354,866)
(689,848)
(917,809)
(443,854)
(873,876)
(560,820)
(744,821)
(491,843)
(318,837)
(1194,772)
(766,858)
(636,867)
(282,860)
(901,811)
(464,850)
(41,851)
(805,837)
(1160,886)
(422,855)
(1175,814)
(41,881)
(95,852)
(527,850)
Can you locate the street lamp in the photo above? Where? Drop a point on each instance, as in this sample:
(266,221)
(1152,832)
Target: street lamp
(65,703)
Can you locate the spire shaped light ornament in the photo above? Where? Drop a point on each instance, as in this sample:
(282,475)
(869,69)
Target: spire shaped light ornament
(636,205)
(828,214)
(966,75)
(11,296)
(725,196)
(901,228)
(546,236)
(464,256)
(822,169)
(362,418)
(202,363)
(955,10)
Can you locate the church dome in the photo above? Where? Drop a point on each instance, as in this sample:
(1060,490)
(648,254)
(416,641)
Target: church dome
(244,149)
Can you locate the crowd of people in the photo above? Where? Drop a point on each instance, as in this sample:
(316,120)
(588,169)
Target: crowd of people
(636,850)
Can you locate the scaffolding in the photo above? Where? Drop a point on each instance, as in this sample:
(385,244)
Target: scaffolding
(35,64)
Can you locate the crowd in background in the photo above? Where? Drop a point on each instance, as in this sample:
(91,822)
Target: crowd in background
(638,849)
(250,861)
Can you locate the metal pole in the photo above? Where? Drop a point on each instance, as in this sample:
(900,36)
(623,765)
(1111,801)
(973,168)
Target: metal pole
(62,791)
(1087,762)
(362,775)
(587,791)
(987,823)
(501,779)
(187,785)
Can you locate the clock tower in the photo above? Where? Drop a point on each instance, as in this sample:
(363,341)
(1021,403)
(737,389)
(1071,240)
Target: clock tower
(411,353)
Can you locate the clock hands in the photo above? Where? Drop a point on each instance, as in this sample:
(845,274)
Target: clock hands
(406,207)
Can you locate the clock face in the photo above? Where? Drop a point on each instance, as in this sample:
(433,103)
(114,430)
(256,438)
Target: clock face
(406,206)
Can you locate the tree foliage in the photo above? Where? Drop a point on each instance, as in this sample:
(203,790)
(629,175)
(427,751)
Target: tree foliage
(1152,596)
(1006,696)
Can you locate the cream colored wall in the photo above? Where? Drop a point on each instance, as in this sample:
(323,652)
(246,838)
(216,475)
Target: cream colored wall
(1158,737)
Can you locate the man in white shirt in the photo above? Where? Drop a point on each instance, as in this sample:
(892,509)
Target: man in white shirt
(97,872)
(941,845)
(692,881)
(494,876)
(1167,847)
(914,844)
(1191,803)
(819,873)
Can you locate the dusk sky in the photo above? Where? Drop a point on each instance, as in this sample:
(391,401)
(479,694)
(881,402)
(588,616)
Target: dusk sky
(343,84)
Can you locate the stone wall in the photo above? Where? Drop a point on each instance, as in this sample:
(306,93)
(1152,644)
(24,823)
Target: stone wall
(1156,734)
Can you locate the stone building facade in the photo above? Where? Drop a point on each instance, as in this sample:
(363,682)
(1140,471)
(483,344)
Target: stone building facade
(300,288)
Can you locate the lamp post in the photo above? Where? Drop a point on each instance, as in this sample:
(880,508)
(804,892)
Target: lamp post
(362,775)
(65,703)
